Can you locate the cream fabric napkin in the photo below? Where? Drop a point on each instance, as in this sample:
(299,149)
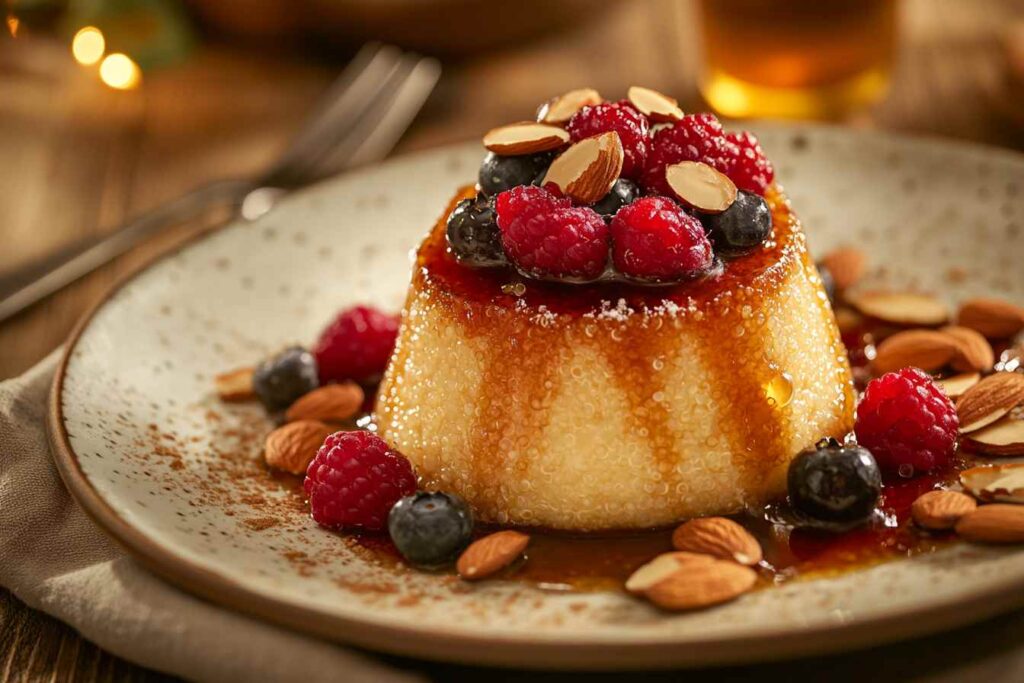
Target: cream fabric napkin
(56,560)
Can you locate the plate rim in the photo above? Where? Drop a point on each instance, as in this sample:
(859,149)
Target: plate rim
(507,650)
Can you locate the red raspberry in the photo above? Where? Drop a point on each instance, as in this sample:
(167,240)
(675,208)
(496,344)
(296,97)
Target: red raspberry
(747,166)
(696,137)
(654,239)
(632,126)
(544,235)
(357,345)
(907,423)
(354,480)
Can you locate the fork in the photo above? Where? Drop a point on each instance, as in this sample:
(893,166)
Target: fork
(358,120)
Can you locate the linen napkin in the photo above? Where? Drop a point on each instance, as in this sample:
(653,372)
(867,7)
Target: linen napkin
(55,559)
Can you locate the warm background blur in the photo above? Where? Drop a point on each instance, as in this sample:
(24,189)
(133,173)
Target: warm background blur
(109,107)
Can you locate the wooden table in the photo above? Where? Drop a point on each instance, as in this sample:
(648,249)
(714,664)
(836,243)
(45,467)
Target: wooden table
(79,159)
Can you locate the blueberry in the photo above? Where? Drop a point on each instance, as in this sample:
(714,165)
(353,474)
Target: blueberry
(285,377)
(430,529)
(623,192)
(741,227)
(473,233)
(499,173)
(834,483)
(827,281)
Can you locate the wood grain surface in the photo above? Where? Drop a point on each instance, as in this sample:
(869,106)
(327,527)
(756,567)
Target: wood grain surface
(79,158)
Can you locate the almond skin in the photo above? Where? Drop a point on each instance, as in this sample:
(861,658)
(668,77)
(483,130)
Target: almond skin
(656,106)
(235,386)
(846,266)
(588,169)
(701,582)
(994,318)
(490,554)
(923,349)
(718,537)
(525,137)
(292,447)
(997,523)
(976,354)
(939,510)
(661,567)
(989,400)
(331,403)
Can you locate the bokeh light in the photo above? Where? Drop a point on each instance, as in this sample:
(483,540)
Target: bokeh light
(12,25)
(119,71)
(88,45)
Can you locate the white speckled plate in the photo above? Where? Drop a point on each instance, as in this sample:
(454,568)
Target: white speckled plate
(175,476)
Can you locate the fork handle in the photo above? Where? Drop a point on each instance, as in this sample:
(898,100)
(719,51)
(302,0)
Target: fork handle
(27,285)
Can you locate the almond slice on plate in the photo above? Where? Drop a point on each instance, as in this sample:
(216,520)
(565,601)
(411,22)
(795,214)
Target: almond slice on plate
(989,400)
(331,403)
(923,349)
(939,510)
(661,567)
(654,105)
(701,581)
(292,447)
(956,385)
(995,483)
(525,137)
(1003,438)
(701,186)
(994,318)
(846,265)
(718,537)
(560,109)
(235,385)
(976,354)
(588,169)
(490,554)
(998,523)
(902,308)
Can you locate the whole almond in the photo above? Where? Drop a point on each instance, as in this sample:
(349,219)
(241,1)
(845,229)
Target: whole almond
(995,483)
(588,169)
(846,266)
(654,105)
(701,582)
(956,385)
(292,447)
(330,403)
(1003,438)
(997,523)
(989,400)
(994,318)
(560,109)
(490,554)
(923,349)
(941,509)
(699,185)
(718,537)
(235,385)
(976,354)
(525,137)
(901,308)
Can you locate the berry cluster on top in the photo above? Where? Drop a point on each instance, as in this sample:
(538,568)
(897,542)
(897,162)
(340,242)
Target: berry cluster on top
(633,190)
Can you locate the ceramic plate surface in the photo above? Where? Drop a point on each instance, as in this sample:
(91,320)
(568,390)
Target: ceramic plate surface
(176,476)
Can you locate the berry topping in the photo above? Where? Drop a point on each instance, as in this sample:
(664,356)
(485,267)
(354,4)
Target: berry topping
(285,377)
(834,483)
(746,163)
(622,118)
(545,237)
(907,422)
(354,480)
(499,173)
(623,192)
(357,345)
(742,227)
(654,239)
(473,232)
(430,529)
(696,137)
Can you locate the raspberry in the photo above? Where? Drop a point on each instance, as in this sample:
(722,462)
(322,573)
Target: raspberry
(357,345)
(654,239)
(907,423)
(632,126)
(696,137)
(545,236)
(354,480)
(746,164)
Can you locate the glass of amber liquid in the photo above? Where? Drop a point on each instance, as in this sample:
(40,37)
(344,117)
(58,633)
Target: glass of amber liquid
(819,59)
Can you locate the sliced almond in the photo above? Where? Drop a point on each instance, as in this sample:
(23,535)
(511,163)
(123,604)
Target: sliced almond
(587,170)
(994,318)
(654,105)
(701,186)
(846,266)
(976,354)
(902,308)
(718,537)
(955,386)
(659,568)
(998,523)
(235,385)
(995,483)
(490,554)
(923,349)
(331,403)
(292,447)
(1003,438)
(939,510)
(701,581)
(525,137)
(560,109)
(989,400)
